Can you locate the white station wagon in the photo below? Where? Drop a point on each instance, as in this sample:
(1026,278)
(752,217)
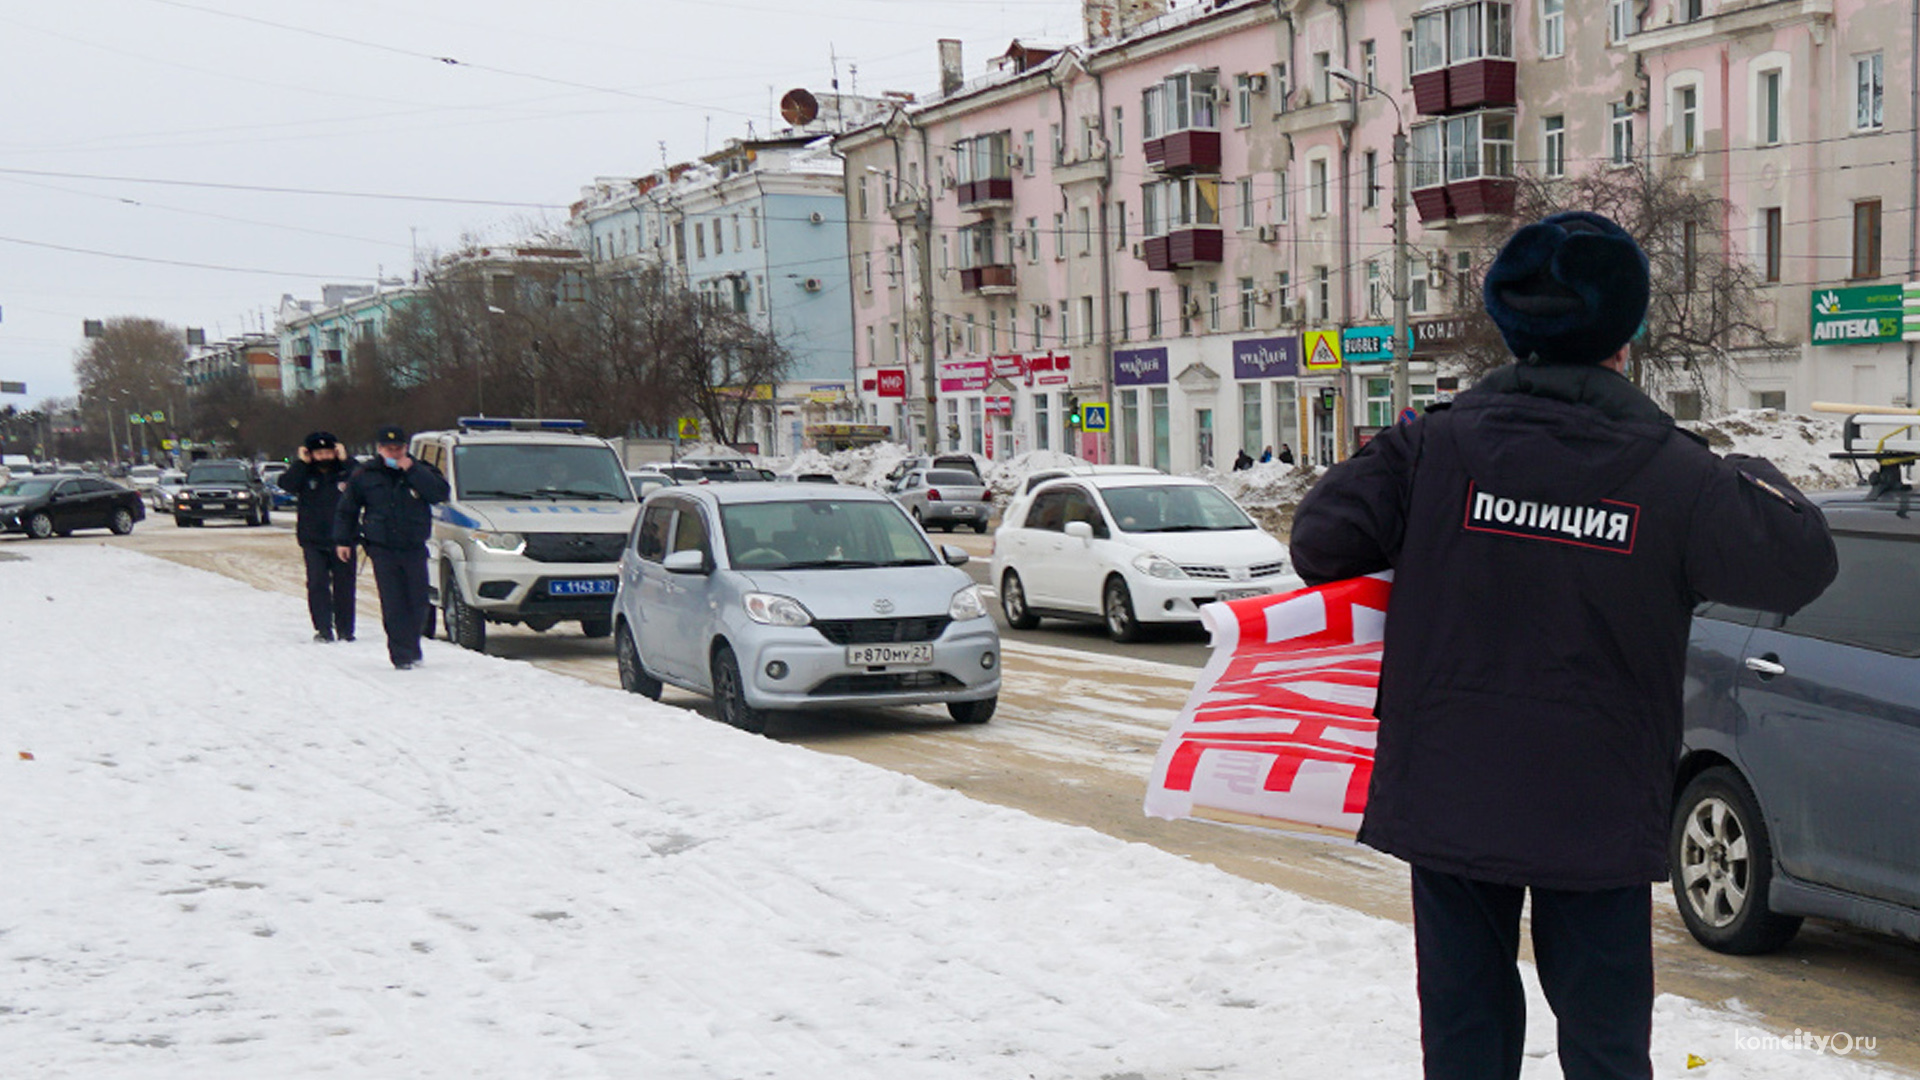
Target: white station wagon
(1128,550)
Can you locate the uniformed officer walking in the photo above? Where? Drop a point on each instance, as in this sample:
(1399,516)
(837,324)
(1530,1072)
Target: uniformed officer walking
(387,507)
(316,482)
(1549,534)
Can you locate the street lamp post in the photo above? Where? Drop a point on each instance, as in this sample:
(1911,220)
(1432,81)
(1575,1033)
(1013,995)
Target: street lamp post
(1402,347)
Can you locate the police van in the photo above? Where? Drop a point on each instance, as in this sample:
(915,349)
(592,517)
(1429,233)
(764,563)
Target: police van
(532,530)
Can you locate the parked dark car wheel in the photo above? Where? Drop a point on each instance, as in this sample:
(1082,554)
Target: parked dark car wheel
(596,628)
(1013,603)
(633,676)
(1722,864)
(730,694)
(122,522)
(40,526)
(973,712)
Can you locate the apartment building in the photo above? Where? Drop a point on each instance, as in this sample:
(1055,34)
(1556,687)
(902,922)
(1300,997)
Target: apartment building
(1188,217)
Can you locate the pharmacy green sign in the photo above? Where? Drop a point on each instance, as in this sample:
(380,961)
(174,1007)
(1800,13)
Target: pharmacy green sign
(1863,315)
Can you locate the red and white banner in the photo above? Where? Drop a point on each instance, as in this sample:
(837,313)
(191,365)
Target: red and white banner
(1279,732)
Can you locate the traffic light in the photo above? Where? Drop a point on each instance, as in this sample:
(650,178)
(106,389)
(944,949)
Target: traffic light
(1074,416)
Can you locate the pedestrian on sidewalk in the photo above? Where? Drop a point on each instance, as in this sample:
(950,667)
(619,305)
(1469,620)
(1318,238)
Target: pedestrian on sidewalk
(387,507)
(1549,534)
(315,481)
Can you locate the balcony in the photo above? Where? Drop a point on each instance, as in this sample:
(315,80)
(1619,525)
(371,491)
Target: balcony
(1194,150)
(1485,83)
(1185,247)
(987,280)
(989,194)
(1463,202)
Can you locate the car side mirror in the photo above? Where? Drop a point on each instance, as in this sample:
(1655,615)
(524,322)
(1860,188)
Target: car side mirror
(955,556)
(1080,529)
(686,562)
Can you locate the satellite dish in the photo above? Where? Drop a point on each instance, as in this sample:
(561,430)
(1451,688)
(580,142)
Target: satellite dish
(799,108)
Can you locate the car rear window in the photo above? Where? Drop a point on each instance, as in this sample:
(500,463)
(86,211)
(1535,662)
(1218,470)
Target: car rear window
(953,476)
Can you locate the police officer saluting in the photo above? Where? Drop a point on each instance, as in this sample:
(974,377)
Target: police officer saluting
(1549,534)
(316,481)
(387,507)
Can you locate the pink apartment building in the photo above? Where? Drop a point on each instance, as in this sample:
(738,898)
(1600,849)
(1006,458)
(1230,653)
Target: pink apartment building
(1187,218)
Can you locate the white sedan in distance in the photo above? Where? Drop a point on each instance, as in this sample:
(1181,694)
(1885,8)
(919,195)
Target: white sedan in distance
(1130,550)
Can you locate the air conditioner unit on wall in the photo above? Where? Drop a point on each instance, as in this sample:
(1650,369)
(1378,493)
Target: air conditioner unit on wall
(1436,277)
(1043,310)
(1193,309)
(813,284)
(1298,309)
(1265,297)
(817,217)
(1257,83)
(1268,233)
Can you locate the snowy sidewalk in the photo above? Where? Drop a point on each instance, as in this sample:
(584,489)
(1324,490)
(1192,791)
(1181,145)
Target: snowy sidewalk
(234,853)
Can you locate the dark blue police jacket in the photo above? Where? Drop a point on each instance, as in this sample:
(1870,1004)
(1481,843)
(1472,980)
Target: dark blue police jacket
(387,508)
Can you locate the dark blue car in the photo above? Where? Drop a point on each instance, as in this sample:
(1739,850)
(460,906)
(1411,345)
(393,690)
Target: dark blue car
(1799,786)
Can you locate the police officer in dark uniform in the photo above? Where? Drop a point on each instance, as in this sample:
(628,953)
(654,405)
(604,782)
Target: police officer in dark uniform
(387,507)
(316,481)
(1549,534)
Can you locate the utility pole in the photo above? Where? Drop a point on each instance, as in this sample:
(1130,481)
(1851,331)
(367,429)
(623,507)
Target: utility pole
(1402,345)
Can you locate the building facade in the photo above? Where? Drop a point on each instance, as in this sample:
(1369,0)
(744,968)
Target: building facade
(1188,218)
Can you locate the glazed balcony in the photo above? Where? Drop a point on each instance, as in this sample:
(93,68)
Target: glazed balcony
(987,280)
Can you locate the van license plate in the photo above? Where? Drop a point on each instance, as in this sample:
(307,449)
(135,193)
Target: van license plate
(877,655)
(582,587)
(1240,594)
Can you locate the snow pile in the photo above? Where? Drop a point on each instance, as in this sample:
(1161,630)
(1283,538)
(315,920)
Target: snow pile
(1798,445)
(285,859)
(861,466)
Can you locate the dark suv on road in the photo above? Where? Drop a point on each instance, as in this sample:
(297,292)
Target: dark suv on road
(1799,783)
(222,489)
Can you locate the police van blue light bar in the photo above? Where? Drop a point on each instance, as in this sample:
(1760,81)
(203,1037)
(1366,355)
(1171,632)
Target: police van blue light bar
(519,423)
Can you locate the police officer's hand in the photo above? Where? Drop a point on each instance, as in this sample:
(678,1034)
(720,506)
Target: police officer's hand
(302,453)
(345,552)
(406,461)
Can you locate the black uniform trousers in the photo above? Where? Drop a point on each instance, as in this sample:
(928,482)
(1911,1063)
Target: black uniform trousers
(329,591)
(401,577)
(1594,953)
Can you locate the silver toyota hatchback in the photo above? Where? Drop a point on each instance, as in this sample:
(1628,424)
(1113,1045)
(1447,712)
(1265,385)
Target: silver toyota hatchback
(770,597)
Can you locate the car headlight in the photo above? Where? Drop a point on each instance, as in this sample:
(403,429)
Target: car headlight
(243,496)
(775,610)
(1158,566)
(501,543)
(966,604)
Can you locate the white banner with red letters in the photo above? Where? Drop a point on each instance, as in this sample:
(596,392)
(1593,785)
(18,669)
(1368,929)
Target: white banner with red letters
(1279,732)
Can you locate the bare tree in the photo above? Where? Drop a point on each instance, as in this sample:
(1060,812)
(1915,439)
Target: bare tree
(133,366)
(1703,311)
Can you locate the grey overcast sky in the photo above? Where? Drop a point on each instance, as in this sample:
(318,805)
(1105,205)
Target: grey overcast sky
(484,116)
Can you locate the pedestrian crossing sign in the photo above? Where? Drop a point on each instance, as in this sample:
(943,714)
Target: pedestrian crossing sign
(688,428)
(1094,416)
(1322,350)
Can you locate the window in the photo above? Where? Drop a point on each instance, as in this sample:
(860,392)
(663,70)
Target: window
(1463,294)
(1417,285)
(1119,144)
(1282,87)
(1179,203)
(1690,10)
(753,218)
(946,252)
(1406,56)
(689,532)
(1322,77)
(1129,436)
(1188,308)
(1213,306)
(1153,313)
(873,349)
(1769,104)
(1086,320)
(700,244)
(1242,100)
(1376,289)
(1119,226)
(1066,324)
(1621,132)
(1317,188)
(973,337)
(1084,218)
(984,157)
(1250,429)
(1686,119)
(1622,20)
(1323,293)
(1770,399)
(1689,256)
(1866,238)
(1771,237)
(1455,35)
(1369,67)
(1033,240)
(1027,158)
(1126,317)
(1060,235)
(1249,299)
(1243,194)
(1040,425)
(1553,29)
(1285,291)
(866,266)
(1553,150)
(1180,103)
(1684,404)
(1460,148)
(1162,429)
(1868,92)
(993,331)
(1370,179)
(863,197)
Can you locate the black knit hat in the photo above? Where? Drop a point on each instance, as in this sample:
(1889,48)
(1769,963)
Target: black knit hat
(321,440)
(1569,289)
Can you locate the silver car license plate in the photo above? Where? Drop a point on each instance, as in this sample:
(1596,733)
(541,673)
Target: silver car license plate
(963,511)
(879,655)
(1239,594)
